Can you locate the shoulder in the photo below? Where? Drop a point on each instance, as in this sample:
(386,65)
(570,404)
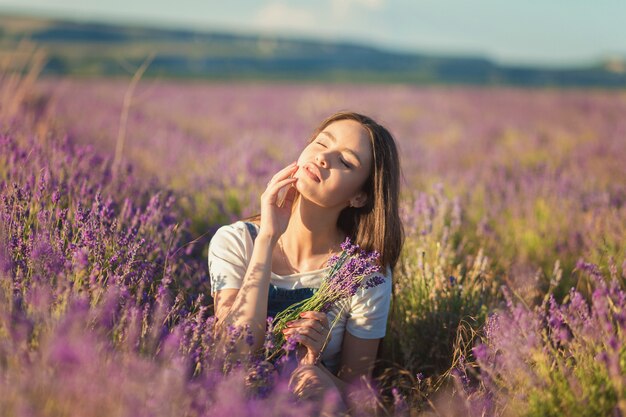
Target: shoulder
(381,278)
(376,286)
(233,230)
(369,307)
(234,236)
(229,253)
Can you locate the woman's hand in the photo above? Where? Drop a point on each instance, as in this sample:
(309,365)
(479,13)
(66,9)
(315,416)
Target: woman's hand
(314,335)
(275,213)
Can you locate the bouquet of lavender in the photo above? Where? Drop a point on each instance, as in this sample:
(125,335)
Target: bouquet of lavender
(348,271)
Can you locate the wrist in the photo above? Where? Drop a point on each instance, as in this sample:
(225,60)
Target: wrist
(309,358)
(268,238)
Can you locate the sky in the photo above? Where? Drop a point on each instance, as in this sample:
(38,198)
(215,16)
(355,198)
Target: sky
(532,32)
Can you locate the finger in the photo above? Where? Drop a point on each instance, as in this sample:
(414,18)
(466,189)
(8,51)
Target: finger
(290,196)
(308,331)
(313,338)
(313,342)
(309,324)
(286,195)
(283,173)
(272,190)
(317,315)
(321,326)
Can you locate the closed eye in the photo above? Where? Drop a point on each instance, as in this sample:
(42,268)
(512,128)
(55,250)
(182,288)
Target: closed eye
(340,159)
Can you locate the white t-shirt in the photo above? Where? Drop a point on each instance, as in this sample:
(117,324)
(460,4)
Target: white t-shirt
(364,315)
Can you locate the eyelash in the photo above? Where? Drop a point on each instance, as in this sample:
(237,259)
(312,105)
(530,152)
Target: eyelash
(342,161)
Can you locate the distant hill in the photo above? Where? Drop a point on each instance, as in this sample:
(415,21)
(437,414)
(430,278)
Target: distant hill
(96,49)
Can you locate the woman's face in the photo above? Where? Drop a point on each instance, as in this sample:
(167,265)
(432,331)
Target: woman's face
(335,165)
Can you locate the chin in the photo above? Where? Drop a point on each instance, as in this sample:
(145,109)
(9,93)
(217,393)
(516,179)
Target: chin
(306,194)
(302,190)
(314,199)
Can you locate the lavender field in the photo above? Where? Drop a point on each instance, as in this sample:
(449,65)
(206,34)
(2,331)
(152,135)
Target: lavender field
(538,175)
(509,297)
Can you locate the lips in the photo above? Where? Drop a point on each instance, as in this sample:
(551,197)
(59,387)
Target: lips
(313,172)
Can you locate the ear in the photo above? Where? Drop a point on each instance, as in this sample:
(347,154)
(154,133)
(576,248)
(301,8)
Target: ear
(358,200)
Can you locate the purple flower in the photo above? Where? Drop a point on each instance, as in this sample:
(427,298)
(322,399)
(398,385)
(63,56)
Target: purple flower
(249,337)
(399,403)
(56,196)
(374,281)
(349,271)
(291,343)
(348,247)
(81,258)
(591,269)
(269,342)
(614,343)
(480,352)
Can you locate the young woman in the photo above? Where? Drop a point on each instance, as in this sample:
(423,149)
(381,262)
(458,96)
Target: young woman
(345,183)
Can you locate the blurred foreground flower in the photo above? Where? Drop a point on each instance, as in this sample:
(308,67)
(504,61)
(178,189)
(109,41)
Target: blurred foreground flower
(564,358)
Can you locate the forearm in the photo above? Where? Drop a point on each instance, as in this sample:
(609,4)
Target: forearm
(340,383)
(250,304)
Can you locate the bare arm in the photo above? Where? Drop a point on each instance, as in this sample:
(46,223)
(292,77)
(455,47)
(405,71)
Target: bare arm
(357,357)
(248,305)
(357,360)
(222,301)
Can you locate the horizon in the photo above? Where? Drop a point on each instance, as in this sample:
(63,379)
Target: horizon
(341,29)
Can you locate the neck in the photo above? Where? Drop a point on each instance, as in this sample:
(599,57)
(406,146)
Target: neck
(312,232)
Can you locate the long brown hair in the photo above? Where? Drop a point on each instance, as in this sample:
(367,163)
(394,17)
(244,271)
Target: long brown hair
(376,225)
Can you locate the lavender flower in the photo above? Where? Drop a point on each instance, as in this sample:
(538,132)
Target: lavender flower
(350,270)
(543,191)
(374,281)
(291,344)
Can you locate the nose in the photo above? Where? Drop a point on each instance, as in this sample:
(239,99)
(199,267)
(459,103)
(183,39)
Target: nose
(320,158)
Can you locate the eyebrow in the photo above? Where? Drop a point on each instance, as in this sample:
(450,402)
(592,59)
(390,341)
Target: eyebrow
(350,151)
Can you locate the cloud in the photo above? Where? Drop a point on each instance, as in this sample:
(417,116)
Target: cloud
(342,8)
(279,15)
(305,17)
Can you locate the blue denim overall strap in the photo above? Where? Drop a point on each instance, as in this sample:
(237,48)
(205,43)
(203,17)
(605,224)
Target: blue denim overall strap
(281,298)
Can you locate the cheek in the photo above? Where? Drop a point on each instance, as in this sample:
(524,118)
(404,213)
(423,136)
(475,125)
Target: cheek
(346,187)
(352,189)
(303,158)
